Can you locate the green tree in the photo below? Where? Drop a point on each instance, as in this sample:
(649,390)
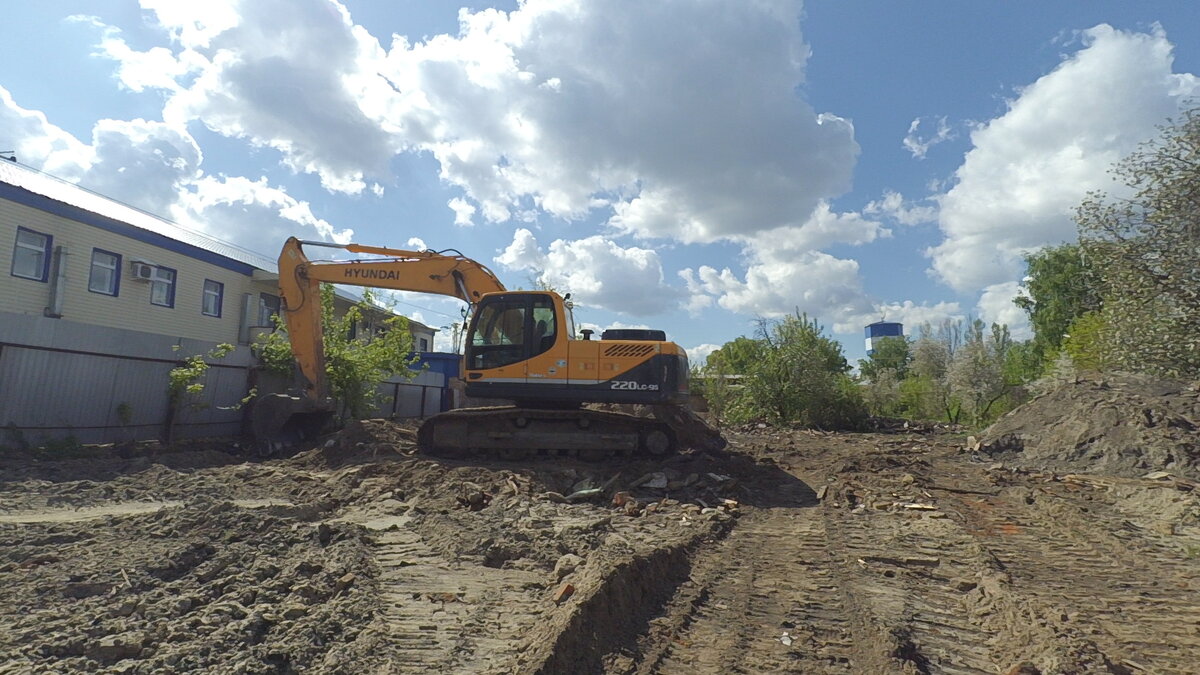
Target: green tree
(925,394)
(356,361)
(890,353)
(1061,286)
(802,377)
(185,384)
(976,373)
(1146,250)
(738,356)
(882,392)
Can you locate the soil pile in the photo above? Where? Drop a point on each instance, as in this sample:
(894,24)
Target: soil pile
(1123,425)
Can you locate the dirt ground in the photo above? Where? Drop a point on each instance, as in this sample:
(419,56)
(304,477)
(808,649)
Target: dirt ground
(795,551)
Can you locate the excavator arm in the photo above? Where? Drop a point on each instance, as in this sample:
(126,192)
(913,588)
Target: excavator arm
(421,271)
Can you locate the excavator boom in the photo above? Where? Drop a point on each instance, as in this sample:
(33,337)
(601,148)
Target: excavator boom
(300,282)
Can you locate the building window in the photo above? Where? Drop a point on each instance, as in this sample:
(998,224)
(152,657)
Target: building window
(162,287)
(105,277)
(424,345)
(211,303)
(31,255)
(268,307)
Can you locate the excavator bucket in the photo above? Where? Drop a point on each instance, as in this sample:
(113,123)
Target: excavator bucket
(280,419)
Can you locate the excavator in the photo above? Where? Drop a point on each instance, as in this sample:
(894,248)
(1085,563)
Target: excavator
(520,346)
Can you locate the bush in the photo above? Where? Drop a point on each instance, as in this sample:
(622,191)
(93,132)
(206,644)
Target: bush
(800,378)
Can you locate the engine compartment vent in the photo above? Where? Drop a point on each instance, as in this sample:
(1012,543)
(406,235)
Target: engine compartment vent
(634,334)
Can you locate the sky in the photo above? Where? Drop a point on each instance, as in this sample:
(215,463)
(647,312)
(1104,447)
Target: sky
(696,166)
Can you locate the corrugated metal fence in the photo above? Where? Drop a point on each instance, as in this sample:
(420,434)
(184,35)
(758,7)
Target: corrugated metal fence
(86,384)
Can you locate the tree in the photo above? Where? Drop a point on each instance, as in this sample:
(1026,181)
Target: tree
(801,377)
(738,356)
(1146,250)
(890,353)
(1061,286)
(926,393)
(882,392)
(355,361)
(976,373)
(185,384)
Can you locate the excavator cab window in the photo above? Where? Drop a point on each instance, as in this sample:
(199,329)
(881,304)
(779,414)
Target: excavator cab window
(498,338)
(543,325)
(511,329)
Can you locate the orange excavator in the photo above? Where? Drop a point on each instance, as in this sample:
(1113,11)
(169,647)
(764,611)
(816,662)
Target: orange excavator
(520,346)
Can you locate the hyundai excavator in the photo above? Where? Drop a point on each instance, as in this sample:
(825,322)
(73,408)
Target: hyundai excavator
(520,346)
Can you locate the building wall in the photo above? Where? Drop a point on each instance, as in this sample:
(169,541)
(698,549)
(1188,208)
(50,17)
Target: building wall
(131,307)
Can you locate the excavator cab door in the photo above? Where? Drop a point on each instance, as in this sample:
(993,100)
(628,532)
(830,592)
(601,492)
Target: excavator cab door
(497,339)
(511,342)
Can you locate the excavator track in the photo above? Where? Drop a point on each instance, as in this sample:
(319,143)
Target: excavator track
(521,433)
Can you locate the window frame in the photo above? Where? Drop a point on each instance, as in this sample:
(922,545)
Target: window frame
(204,295)
(116,270)
(171,286)
(269,306)
(46,249)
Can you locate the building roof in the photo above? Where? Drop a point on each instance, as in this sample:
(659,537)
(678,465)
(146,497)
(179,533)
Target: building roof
(72,195)
(95,209)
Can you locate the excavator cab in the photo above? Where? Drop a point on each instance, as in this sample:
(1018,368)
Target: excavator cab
(510,328)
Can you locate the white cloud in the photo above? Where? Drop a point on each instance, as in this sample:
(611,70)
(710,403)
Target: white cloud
(155,166)
(911,314)
(823,228)
(155,68)
(532,108)
(523,253)
(293,75)
(144,164)
(252,214)
(538,104)
(894,206)
(464,212)
(996,306)
(597,272)
(417,244)
(786,271)
(698,355)
(1017,188)
(813,282)
(38,143)
(919,144)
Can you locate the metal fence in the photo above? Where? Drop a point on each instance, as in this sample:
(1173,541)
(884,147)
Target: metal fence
(63,381)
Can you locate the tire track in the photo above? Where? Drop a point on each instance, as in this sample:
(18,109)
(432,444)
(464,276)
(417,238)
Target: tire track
(440,616)
(1072,551)
(768,598)
(910,573)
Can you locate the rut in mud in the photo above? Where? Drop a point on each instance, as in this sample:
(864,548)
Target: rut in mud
(794,552)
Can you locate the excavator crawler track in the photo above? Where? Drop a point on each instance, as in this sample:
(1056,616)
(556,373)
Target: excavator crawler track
(522,433)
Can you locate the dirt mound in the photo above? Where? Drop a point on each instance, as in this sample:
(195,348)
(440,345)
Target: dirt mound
(1121,424)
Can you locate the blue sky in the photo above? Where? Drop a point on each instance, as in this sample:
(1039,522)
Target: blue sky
(690,165)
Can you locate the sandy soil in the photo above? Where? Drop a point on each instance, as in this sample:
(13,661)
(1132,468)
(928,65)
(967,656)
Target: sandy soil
(796,551)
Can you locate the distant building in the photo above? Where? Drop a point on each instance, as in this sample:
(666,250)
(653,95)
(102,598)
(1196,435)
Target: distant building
(882,329)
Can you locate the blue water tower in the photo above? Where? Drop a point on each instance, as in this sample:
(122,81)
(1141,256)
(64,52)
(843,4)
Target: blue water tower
(882,329)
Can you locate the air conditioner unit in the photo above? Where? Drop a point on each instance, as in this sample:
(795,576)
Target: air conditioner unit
(143,271)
